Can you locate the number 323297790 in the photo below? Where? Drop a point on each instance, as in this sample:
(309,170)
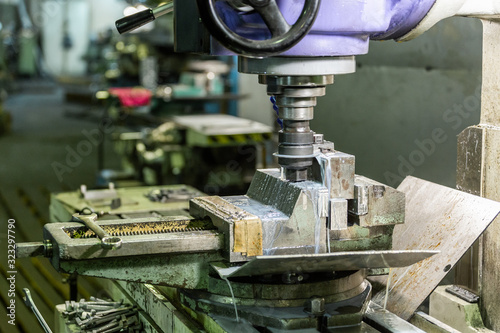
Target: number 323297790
(11,247)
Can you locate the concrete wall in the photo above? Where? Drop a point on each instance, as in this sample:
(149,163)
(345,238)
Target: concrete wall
(257,105)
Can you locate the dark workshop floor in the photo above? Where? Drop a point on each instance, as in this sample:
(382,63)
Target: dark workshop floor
(44,130)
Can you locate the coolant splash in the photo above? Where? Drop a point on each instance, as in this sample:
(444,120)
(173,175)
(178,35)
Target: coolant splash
(234,299)
(326,176)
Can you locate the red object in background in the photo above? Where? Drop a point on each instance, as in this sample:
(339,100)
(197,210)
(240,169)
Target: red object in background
(132,97)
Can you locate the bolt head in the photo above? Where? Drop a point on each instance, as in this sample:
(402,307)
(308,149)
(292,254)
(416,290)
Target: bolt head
(315,306)
(318,138)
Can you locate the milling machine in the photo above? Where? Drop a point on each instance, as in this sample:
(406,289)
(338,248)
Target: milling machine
(291,254)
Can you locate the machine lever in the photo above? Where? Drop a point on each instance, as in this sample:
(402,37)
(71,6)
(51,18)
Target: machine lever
(137,20)
(31,304)
(107,241)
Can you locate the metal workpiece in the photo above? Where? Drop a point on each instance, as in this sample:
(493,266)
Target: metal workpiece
(327,262)
(338,214)
(335,169)
(470,160)
(440,219)
(376,204)
(275,217)
(356,238)
(305,205)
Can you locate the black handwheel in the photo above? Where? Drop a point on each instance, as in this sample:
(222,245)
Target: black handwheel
(283,35)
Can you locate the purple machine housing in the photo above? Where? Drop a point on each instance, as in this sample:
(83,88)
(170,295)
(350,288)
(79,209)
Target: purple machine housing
(342,27)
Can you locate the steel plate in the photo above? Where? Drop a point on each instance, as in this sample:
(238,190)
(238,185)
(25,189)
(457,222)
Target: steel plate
(437,218)
(310,263)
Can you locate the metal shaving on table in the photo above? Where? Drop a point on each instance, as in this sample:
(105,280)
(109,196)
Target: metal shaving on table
(101,316)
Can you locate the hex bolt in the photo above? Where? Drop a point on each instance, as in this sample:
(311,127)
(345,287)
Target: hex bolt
(98,321)
(315,306)
(318,138)
(95,299)
(111,324)
(80,322)
(87,306)
(378,191)
(113,312)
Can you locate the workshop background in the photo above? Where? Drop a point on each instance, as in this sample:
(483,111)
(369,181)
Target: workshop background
(399,114)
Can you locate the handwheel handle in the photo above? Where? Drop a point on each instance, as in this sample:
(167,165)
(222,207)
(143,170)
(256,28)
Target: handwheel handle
(283,37)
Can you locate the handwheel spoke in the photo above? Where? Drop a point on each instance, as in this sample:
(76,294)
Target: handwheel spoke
(272,16)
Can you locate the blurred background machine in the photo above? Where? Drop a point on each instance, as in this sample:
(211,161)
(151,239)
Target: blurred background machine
(292,253)
(218,153)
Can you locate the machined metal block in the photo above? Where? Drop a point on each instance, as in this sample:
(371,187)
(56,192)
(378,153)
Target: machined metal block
(306,206)
(336,170)
(356,238)
(376,204)
(338,214)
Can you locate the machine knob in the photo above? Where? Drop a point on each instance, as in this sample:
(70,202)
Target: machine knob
(137,20)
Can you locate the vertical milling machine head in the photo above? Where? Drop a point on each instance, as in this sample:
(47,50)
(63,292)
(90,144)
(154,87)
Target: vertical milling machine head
(295,60)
